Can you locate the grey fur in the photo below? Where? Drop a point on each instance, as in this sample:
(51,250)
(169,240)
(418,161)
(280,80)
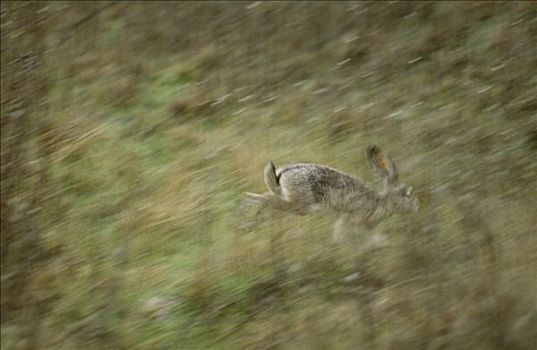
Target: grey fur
(303,188)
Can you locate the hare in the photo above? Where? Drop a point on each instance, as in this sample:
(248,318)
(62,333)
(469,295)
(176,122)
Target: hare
(305,187)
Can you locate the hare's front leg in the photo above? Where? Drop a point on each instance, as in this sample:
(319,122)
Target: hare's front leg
(341,227)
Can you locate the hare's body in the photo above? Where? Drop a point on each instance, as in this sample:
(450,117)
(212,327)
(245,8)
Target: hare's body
(314,187)
(304,187)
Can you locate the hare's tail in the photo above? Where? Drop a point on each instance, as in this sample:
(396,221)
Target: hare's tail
(272,180)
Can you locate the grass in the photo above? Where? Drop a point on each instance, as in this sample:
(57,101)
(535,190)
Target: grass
(152,151)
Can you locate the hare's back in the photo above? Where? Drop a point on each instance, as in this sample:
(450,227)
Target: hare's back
(314,182)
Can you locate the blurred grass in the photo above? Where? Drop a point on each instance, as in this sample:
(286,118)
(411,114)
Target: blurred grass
(160,117)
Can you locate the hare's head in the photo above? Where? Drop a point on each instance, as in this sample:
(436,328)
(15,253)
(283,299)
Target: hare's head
(400,196)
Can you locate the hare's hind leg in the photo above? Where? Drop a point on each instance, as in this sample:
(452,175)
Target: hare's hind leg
(251,208)
(254,209)
(274,201)
(269,200)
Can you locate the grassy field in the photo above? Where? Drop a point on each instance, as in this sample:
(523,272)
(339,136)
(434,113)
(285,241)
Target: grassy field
(157,118)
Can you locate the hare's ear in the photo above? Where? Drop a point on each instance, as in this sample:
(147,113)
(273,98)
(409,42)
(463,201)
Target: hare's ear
(382,164)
